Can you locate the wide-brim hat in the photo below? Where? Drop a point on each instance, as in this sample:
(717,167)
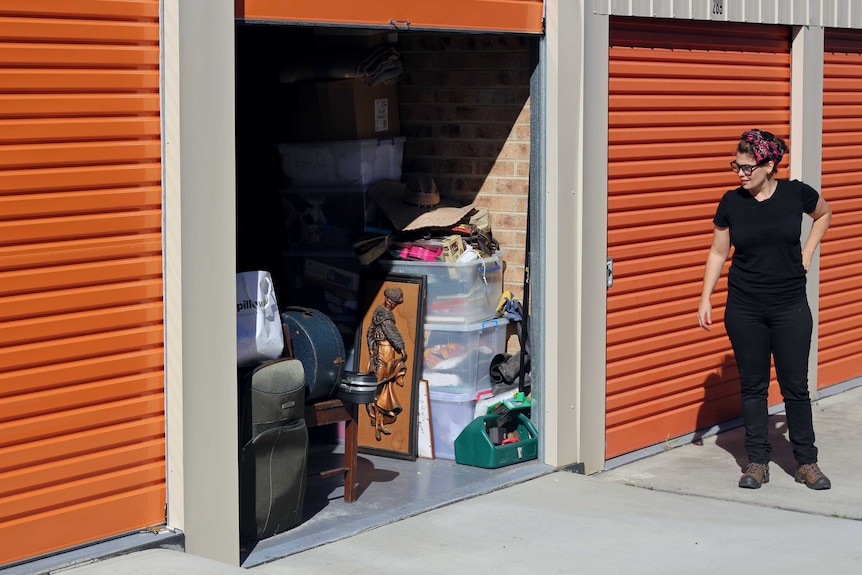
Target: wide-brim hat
(390,196)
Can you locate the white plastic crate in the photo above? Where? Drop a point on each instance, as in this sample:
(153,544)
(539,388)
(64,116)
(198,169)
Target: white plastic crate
(456,358)
(458,292)
(347,162)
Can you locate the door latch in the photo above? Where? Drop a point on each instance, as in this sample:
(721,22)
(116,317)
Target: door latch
(610,264)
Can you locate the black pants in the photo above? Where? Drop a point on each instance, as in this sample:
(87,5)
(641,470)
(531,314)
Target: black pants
(784,332)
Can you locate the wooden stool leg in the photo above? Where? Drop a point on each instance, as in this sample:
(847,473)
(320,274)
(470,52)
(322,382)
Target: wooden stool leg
(351,434)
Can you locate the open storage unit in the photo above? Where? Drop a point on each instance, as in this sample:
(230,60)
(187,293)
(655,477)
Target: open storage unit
(458,112)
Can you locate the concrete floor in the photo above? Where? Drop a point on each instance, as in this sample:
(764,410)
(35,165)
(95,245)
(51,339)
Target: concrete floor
(676,512)
(389,490)
(711,469)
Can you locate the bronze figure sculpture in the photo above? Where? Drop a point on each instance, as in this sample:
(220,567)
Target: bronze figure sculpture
(387,360)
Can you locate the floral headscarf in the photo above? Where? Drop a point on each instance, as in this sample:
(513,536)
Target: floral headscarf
(765,146)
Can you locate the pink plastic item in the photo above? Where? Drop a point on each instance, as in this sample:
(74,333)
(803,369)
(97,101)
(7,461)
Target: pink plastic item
(424,254)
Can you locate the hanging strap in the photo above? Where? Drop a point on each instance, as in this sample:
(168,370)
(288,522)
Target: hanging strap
(288,343)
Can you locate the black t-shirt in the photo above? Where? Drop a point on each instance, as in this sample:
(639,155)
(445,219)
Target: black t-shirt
(767,257)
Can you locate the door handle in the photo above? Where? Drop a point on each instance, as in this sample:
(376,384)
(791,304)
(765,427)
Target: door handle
(610,272)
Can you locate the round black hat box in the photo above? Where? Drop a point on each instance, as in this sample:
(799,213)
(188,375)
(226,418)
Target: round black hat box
(317,343)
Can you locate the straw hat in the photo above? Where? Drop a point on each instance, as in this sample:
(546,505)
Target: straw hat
(416,205)
(422,191)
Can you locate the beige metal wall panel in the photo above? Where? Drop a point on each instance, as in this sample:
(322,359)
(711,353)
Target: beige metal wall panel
(679,99)
(82,427)
(840,351)
(200,272)
(827,13)
(573,225)
(840,13)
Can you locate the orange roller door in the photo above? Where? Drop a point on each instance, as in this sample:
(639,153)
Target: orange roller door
(487,15)
(82,431)
(840,344)
(678,101)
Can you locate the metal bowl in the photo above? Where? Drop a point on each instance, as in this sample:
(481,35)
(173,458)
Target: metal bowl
(357,387)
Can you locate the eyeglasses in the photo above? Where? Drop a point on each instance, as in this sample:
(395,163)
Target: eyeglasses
(746,169)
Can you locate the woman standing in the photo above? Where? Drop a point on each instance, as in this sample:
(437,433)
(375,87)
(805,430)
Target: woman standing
(767,312)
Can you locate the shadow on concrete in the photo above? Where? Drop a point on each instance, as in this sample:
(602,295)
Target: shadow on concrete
(720,416)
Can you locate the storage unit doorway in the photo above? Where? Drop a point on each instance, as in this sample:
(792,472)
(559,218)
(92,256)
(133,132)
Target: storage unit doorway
(464,118)
(678,101)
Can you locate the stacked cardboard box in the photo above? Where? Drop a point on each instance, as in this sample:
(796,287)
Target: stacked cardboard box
(339,110)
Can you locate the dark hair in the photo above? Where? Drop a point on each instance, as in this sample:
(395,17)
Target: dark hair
(763,147)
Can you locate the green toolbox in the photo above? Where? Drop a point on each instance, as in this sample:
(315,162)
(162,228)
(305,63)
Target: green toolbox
(484,443)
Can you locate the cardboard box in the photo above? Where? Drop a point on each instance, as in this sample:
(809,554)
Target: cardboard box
(340,110)
(453,248)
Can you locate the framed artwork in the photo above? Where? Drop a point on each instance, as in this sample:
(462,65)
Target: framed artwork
(389,344)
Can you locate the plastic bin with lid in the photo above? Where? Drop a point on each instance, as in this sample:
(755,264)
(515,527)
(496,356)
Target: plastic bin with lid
(457,292)
(450,414)
(456,358)
(338,163)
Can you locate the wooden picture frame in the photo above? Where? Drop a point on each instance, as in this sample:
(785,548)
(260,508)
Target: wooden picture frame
(381,430)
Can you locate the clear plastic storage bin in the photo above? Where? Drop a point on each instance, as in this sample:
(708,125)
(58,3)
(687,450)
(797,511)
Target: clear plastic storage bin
(450,414)
(458,292)
(324,217)
(456,358)
(348,162)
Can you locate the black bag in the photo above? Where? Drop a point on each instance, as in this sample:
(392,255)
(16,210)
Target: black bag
(506,369)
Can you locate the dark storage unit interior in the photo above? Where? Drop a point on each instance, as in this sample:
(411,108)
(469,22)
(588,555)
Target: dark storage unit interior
(462,115)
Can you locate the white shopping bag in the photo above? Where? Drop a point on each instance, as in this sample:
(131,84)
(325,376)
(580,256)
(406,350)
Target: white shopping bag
(258,324)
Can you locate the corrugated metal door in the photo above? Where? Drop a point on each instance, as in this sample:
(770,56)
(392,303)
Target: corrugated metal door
(681,93)
(840,345)
(81,320)
(489,15)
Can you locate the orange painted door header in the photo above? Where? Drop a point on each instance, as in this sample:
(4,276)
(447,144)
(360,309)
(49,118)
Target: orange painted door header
(486,15)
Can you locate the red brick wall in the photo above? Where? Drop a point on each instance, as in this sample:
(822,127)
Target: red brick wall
(464,101)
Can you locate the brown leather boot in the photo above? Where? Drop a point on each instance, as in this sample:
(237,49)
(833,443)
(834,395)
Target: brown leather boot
(810,475)
(754,475)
